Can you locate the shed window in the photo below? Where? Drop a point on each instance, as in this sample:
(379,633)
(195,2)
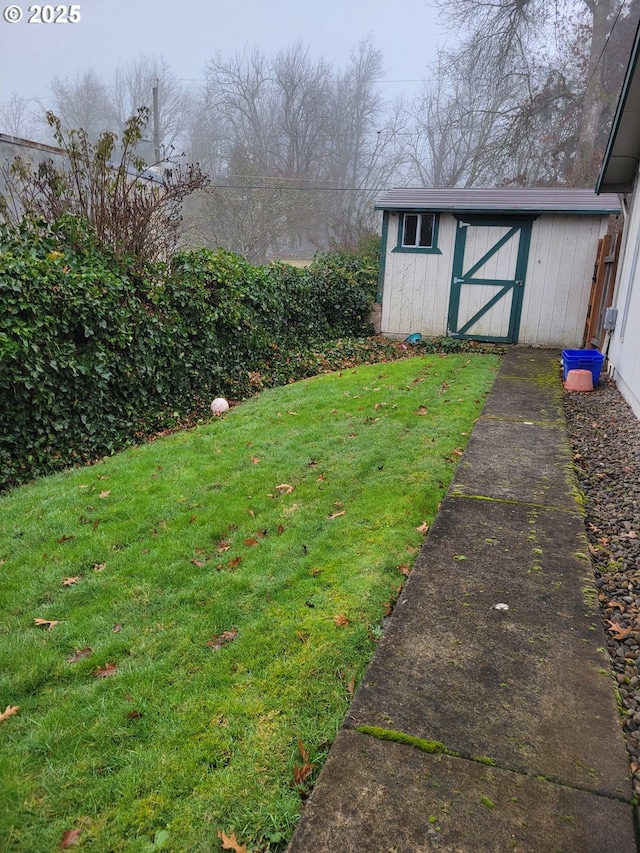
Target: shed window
(417,230)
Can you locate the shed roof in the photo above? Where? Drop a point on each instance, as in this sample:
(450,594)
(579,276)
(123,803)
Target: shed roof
(500,200)
(622,155)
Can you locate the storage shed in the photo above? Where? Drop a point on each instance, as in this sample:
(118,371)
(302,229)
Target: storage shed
(510,265)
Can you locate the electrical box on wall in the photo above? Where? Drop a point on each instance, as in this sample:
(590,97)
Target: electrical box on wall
(610,317)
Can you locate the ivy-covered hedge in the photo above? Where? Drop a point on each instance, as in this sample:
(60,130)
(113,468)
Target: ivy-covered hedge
(93,356)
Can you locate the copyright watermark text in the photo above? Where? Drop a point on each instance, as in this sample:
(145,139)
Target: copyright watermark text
(61,14)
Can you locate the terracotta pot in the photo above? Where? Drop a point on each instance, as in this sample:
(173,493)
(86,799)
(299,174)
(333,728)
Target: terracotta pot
(579,380)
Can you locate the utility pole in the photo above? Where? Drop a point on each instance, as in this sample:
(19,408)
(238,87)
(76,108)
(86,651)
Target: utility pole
(156,124)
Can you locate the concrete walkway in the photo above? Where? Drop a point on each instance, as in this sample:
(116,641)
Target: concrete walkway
(477,727)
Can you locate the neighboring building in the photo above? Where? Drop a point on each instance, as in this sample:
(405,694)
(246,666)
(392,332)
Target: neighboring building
(511,265)
(619,173)
(31,153)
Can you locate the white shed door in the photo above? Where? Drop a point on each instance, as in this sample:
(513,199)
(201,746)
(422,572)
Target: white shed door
(488,277)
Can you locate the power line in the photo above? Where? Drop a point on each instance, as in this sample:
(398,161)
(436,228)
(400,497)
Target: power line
(113,86)
(605,45)
(299,189)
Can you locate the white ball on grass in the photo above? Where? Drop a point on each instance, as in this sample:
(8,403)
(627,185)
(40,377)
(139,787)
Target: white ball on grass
(219,406)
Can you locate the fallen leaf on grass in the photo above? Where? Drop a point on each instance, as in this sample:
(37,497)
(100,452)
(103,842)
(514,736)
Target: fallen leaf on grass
(280,530)
(98,567)
(70,581)
(341,620)
(421,410)
(69,839)
(423,528)
(230,842)
(619,632)
(48,623)
(255,460)
(250,542)
(223,639)
(284,488)
(105,494)
(104,671)
(300,774)
(63,539)
(79,654)
(9,711)
(337,514)
(405,569)
(116,628)
(198,563)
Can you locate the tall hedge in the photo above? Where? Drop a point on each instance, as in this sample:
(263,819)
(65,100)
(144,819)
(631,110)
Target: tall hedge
(94,356)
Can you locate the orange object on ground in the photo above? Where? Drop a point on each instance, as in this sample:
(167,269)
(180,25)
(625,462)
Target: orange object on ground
(579,380)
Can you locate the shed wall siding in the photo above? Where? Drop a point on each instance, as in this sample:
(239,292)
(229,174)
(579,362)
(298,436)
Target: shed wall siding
(557,285)
(416,286)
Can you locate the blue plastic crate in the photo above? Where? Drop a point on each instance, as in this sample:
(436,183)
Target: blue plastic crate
(582,359)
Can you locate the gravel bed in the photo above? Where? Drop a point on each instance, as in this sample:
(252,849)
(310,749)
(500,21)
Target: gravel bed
(605,435)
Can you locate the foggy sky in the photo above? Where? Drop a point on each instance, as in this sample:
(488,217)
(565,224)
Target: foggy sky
(187,34)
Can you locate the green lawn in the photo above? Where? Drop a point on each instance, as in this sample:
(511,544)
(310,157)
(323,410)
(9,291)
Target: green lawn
(216,596)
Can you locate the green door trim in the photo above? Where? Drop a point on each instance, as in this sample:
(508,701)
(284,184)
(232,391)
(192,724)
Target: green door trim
(517,225)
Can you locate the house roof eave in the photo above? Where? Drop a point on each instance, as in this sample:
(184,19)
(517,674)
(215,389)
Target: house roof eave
(622,154)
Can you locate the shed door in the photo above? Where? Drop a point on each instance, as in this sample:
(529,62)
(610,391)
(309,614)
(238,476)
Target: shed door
(488,278)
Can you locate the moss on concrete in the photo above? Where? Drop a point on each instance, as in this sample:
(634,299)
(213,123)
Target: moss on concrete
(433,747)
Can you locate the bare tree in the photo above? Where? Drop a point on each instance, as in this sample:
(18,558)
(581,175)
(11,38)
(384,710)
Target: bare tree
(97,106)
(457,125)
(301,91)
(363,150)
(562,61)
(293,147)
(85,103)
(18,118)
(133,88)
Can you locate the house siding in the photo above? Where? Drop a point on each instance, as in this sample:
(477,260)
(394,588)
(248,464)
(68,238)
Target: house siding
(624,348)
